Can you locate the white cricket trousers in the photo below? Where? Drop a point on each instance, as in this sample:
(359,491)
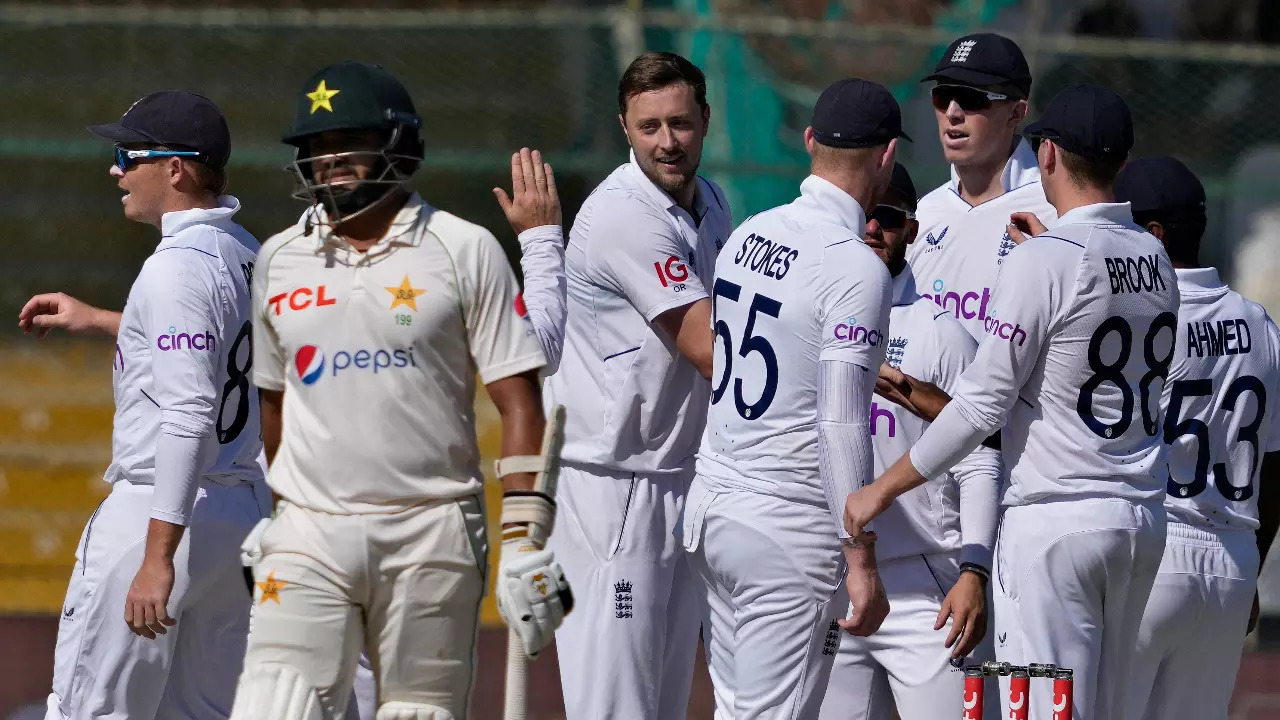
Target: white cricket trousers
(1071,581)
(773,573)
(404,585)
(1194,626)
(101,669)
(904,665)
(628,647)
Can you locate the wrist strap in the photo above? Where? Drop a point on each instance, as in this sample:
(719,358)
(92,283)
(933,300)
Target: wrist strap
(531,508)
(976,569)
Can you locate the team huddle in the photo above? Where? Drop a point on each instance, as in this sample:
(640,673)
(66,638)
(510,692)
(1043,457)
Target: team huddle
(856,444)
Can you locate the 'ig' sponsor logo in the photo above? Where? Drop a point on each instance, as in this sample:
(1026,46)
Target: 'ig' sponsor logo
(311,363)
(174,340)
(672,273)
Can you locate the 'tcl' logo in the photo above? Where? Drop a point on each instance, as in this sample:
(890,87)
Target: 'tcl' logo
(302,298)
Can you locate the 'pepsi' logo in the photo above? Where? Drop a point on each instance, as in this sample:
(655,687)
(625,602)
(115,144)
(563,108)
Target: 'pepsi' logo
(310,363)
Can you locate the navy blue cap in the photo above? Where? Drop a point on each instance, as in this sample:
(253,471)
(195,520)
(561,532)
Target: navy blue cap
(1162,186)
(983,60)
(855,113)
(178,120)
(1087,120)
(901,183)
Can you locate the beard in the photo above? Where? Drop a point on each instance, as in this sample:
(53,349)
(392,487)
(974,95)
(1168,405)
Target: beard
(671,184)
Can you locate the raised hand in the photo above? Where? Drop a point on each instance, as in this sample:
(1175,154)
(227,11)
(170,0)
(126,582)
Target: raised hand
(533,201)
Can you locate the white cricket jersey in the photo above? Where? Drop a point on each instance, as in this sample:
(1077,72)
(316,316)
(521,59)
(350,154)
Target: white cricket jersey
(1220,411)
(960,248)
(632,402)
(377,355)
(184,349)
(1079,340)
(795,286)
(927,343)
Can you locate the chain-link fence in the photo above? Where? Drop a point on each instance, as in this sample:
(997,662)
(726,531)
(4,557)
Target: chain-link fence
(487,81)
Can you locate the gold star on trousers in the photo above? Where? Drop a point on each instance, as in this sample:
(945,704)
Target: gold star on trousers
(321,98)
(271,588)
(406,294)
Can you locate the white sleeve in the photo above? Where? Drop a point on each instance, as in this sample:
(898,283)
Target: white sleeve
(1024,306)
(183,327)
(978,473)
(635,252)
(844,444)
(545,292)
(268,355)
(500,337)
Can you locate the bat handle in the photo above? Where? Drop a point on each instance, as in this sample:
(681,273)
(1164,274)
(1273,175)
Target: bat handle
(516,701)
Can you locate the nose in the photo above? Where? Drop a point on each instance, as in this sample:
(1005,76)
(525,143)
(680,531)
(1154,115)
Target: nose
(666,138)
(115,171)
(874,230)
(954,113)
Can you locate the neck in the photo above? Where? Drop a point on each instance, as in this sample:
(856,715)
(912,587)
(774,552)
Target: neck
(684,196)
(1070,197)
(980,181)
(177,202)
(370,226)
(857,185)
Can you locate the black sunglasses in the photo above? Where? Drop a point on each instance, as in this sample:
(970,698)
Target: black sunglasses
(968,98)
(890,217)
(1037,140)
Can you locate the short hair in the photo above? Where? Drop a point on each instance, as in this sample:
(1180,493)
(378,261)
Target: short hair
(1182,232)
(1093,172)
(656,70)
(825,156)
(209,179)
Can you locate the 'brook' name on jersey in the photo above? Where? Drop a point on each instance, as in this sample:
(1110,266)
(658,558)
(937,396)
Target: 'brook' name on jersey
(1220,409)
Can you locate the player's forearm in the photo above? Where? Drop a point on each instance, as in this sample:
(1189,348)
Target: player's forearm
(107,321)
(1268,505)
(179,465)
(979,478)
(545,288)
(519,404)
(163,539)
(271,405)
(945,442)
(844,445)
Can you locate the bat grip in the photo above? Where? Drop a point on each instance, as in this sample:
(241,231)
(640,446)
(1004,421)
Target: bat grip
(516,700)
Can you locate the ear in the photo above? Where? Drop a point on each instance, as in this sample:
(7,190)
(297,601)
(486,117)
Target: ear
(912,229)
(890,154)
(809,142)
(1050,151)
(1020,110)
(1156,229)
(175,171)
(622,123)
(706,119)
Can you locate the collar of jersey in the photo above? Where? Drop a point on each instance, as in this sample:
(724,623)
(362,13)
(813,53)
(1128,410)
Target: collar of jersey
(903,287)
(172,223)
(824,200)
(401,230)
(1021,169)
(1202,279)
(1099,214)
(661,197)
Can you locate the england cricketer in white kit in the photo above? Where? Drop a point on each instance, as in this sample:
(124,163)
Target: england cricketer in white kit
(632,377)
(1077,350)
(373,316)
(1221,428)
(934,543)
(157,610)
(801,312)
(980,91)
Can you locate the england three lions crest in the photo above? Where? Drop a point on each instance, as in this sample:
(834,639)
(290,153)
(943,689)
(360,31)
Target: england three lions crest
(893,354)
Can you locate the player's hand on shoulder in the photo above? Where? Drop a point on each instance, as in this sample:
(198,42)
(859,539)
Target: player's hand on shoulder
(870,604)
(922,399)
(47,311)
(966,605)
(534,201)
(1023,225)
(533,594)
(145,607)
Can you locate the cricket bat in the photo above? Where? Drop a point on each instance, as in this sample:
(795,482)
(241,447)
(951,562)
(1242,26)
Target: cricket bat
(516,699)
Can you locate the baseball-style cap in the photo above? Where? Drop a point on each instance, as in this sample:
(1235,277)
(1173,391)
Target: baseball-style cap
(175,119)
(1162,186)
(1087,120)
(983,60)
(350,95)
(902,184)
(855,113)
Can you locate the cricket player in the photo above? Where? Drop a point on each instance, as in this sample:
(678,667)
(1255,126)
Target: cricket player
(1221,429)
(373,316)
(801,310)
(980,91)
(935,542)
(1078,344)
(155,619)
(636,352)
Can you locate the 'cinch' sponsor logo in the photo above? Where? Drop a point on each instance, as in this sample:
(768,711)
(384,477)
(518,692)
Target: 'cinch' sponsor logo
(174,340)
(850,331)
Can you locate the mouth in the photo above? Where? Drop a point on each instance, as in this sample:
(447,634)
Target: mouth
(670,163)
(875,243)
(954,137)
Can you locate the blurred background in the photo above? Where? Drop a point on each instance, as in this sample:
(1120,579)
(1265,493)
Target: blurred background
(1202,78)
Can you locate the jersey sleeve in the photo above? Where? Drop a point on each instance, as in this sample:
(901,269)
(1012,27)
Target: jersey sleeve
(499,333)
(852,303)
(1024,308)
(545,288)
(268,355)
(636,253)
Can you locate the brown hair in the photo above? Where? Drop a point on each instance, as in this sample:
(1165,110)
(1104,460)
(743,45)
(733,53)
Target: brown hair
(1091,172)
(208,179)
(656,70)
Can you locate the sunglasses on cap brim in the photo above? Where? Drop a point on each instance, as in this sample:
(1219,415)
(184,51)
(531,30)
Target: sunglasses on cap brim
(890,217)
(970,99)
(126,159)
(1035,140)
